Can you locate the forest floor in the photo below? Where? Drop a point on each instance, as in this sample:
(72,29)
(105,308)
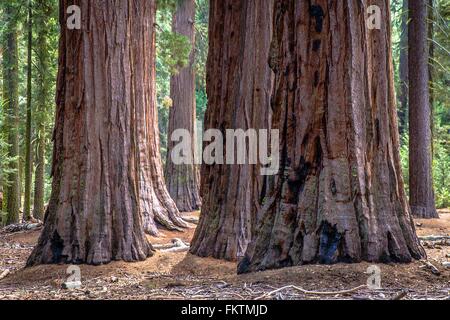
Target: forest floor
(183,276)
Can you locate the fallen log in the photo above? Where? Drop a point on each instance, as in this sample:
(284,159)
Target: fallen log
(18,227)
(176,245)
(193,220)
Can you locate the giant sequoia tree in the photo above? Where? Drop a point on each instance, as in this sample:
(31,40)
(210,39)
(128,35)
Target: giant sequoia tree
(105,160)
(238,85)
(339,196)
(183,180)
(420,137)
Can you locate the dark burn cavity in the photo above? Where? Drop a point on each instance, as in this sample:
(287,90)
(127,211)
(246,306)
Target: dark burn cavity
(316,12)
(330,240)
(316,45)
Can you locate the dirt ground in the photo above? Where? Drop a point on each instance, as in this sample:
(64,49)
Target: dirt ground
(183,276)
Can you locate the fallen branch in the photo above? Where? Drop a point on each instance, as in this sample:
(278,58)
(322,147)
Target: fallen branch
(431,267)
(4,274)
(328,293)
(434,238)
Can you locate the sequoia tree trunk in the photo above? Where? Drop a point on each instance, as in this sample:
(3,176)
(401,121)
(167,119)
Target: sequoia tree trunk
(339,196)
(183,181)
(11,99)
(239,83)
(105,86)
(420,139)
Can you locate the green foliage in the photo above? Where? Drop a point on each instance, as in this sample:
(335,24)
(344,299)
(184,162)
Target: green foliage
(167,5)
(201,55)
(6,159)
(174,50)
(441,153)
(172,54)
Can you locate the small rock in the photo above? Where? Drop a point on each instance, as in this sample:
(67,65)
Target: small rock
(114,279)
(446,264)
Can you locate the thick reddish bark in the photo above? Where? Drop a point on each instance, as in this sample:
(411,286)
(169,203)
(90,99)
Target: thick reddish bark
(105,82)
(238,84)
(183,181)
(420,138)
(339,196)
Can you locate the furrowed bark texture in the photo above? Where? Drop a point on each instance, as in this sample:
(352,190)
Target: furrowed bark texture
(183,181)
(420,138)
(104,85)
(339,196)
(238,84)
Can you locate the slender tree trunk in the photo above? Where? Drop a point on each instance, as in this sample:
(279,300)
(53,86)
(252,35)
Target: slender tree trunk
(183,181)
(339,196)
(431,68)
(43,8)
(28,153)
(11,98)
(403,71)
(104,94)
(420,139)
(238,84)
